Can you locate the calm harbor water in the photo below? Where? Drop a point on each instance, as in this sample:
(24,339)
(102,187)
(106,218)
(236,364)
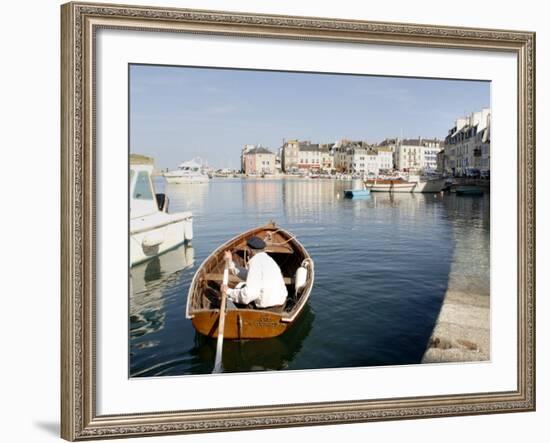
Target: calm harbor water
(382,267)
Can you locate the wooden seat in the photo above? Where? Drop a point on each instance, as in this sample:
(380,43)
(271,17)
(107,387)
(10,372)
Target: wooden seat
(271,249)
(235,279)
(279,249)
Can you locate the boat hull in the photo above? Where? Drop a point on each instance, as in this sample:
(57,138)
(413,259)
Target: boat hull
(351,193)
(429,186)
(405,186)
(391,187)
(154,235)
(242,322)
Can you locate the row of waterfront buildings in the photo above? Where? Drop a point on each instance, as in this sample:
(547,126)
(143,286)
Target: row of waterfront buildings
(464,151)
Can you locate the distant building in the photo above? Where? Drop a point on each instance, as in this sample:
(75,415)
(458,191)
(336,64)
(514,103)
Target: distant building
(309,156)
(372,163)
(346,152)
(441,166)
(339,156)
(304,155)
(259,160)
(358,157)
(246,148)
(289,158)
(467,145)
(327,157)
(408,155)
(278,164)
(416,154)
(389,143)
(430,149)
(482,150)
(385,158)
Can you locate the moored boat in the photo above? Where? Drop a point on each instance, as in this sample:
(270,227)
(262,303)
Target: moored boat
(187,172)
(389,185)
(203,300)
(153,230)
(414,184)
(427,184)
(354,193)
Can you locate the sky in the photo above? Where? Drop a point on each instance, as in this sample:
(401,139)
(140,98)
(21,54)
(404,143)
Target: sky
(179,113)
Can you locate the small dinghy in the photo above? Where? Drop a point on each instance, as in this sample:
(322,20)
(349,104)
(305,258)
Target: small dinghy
(243,322)
(354,193)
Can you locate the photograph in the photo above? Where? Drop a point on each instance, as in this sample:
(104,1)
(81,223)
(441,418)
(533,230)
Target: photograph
(290,220)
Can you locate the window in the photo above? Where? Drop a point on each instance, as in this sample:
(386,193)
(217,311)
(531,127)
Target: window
(142,190)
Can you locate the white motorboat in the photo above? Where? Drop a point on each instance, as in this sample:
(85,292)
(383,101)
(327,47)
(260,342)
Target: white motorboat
(153,230)
(187,172)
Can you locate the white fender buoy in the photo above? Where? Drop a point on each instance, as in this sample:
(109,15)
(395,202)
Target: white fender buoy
(300,279)
(153,239)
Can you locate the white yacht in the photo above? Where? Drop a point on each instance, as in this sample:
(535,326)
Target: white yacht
(152,229)
(187,172)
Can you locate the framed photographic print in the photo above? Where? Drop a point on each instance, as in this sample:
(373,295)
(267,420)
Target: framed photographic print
(282,221)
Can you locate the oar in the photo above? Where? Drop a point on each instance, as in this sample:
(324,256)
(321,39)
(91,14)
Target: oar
(221,325)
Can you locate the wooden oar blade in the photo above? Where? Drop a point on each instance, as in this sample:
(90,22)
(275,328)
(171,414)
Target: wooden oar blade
(218,368)
(221,326)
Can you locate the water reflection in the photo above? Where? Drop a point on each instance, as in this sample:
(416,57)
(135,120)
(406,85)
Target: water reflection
(187,196)
(261,195)
(149,279)
(305,201)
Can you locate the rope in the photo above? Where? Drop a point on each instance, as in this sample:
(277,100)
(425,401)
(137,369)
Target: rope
(269,236)
(282,243)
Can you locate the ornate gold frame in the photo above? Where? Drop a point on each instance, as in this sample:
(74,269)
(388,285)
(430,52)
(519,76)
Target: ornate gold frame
(79,24)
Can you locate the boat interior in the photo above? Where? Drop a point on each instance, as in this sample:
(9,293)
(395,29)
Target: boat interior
(287,255)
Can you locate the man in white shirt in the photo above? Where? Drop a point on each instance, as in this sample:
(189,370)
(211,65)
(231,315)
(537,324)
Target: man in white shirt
(265,286)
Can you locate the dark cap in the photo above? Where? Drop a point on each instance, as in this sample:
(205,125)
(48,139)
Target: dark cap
(256,243)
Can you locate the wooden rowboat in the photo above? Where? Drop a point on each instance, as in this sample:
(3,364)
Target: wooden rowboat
(243,322)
